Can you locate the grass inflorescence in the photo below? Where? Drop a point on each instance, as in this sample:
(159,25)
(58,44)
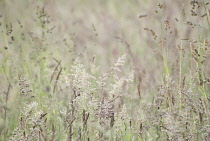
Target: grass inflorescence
(104,70)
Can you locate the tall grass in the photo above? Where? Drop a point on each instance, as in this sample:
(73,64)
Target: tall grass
(104,70)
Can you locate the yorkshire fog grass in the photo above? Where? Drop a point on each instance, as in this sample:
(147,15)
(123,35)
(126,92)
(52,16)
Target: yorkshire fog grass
(111,70)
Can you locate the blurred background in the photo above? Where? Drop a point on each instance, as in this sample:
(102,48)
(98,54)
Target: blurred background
(150,32)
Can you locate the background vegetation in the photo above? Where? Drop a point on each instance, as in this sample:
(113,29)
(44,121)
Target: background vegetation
(104,70)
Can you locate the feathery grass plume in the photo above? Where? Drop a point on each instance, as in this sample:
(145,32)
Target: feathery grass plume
(82,84)
(24,87)
(121,121)
(173,122)
(32,124)
(116,87)
(82,103)
(120,62)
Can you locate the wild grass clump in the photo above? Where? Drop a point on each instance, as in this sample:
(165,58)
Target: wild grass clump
(137,74)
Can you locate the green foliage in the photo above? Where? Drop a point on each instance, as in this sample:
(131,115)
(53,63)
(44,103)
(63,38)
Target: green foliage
(104,70)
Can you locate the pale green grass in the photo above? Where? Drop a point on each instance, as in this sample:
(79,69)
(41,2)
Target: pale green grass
(104,70)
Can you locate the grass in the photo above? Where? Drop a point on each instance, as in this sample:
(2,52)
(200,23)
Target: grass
(104,70)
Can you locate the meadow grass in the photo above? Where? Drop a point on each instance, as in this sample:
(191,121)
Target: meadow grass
(104,70)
